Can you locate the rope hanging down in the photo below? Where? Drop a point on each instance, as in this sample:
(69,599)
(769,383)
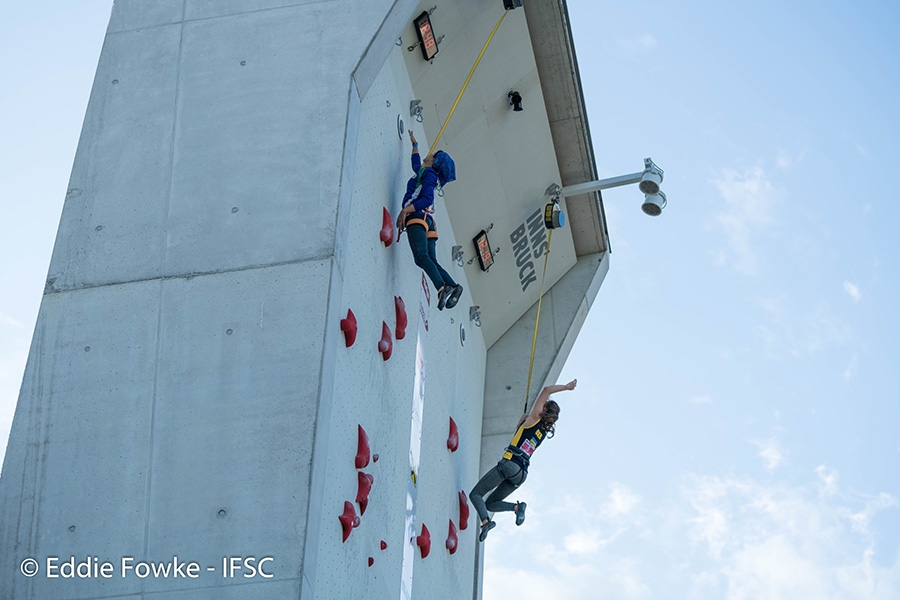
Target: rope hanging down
(550,234)
(537,319)
(466,84)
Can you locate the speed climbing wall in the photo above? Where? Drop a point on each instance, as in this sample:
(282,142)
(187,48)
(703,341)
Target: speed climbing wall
(240,385)
(404,403)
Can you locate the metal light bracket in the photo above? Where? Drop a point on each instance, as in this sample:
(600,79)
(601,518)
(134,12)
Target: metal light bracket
(457,255)
(475,315)
(415,110)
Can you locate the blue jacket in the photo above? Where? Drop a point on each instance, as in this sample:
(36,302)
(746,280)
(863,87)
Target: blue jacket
(420,187)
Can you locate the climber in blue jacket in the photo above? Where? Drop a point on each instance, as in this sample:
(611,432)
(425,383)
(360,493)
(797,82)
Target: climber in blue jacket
(416,218)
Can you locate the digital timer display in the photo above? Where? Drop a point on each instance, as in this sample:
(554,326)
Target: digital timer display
(426,36)
(483,249)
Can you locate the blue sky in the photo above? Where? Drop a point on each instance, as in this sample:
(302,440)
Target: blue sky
(52,51)
(735,430)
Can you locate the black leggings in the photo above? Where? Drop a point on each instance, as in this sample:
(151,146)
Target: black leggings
(505,477)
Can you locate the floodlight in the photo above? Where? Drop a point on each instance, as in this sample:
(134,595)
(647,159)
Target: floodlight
(515,100)
(648,182)
(650,178)
(654,204)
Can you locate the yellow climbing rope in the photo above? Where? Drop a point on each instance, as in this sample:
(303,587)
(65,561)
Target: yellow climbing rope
(466,84)
(550,234)
(537,319)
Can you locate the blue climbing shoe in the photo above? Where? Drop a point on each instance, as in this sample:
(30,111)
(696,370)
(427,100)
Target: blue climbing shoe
(454,296)
(484,530)
(443,294)
(520,513)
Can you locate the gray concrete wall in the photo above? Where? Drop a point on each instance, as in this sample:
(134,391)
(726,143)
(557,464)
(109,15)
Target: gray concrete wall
(174,386)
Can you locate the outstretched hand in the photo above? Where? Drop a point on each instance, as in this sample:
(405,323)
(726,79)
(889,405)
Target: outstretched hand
(571,385)
(401,217)
(412,138)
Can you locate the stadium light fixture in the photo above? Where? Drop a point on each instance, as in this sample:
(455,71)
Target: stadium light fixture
(648,182)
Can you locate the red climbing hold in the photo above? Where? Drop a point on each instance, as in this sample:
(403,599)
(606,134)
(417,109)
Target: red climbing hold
(348,520)
(463,510)
(453,438)
(362,449)
(401,317)
(387,228)
(371,561)
(362,495)
(348,326)
(383,545)
(424,541)
(374,458)
(385,346)
(452,540)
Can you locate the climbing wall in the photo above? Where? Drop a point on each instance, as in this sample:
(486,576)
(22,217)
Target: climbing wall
(436,372)
(234,356)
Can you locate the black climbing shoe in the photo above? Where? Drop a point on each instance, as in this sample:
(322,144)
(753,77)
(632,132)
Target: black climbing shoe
(520,513)
(484,530)
(454,296)
(443,294)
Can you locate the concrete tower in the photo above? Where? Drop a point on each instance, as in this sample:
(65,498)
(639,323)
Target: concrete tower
(191,412)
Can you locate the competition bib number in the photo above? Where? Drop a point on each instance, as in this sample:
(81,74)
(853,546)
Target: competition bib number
(528,447)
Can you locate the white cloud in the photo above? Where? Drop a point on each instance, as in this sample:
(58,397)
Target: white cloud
(749,200)
(774,306)
(828,479)
(616,579)
(770,451)
(812,330)
(783,542)
(822,329)
(577,533)
(863,517)
(774,568)
(619,509)
(718,537)
(589,541)
(622,502)
(853,290)
(582,542)
(701,399)
(786,160)
(711,523)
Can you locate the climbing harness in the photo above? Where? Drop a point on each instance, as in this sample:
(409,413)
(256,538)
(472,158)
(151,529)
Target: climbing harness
(426,222)
(517,452)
